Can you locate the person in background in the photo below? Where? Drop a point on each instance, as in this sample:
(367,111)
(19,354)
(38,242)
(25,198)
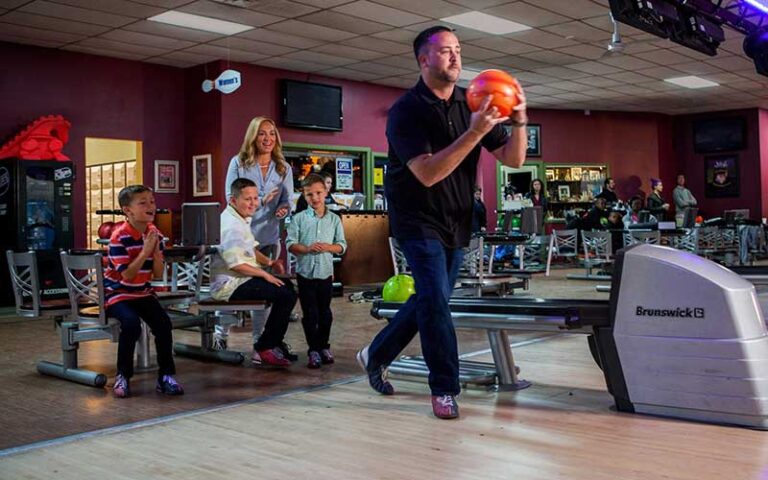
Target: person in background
(657,206)
(301,203)
(479,214)
(261,160)
(314,236)
(134,256)
(633,215)
(615,225)
(238,273)
(538,196)
(682,197)
(597,216)
(609,192)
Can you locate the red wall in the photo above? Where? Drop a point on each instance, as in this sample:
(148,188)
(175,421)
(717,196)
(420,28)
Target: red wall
(753,167)
(102,97)
(763,128)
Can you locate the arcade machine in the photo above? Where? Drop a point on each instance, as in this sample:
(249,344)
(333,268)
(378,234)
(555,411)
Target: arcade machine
(681,336)
(37,212)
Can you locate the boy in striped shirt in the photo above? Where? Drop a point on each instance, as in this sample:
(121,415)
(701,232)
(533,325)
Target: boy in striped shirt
(135,256)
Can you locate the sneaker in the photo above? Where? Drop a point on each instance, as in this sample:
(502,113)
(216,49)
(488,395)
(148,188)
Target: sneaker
(122,388)
(256,358)
(169,386)
(274,357)
(326,356)
(314,360)
(294,317)
(445,406)
(219,343)
(377,377)
(285,349)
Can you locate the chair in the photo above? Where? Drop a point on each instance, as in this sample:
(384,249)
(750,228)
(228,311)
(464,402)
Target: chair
(86,321)
(634,237)
(598,251)
(478,274)
(27,292)
(399,262)
(562,243)
(533,252)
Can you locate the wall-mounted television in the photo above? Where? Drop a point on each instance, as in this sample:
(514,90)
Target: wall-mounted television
(311,105)
(724,134)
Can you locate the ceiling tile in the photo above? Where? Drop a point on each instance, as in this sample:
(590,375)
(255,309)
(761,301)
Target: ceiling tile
(304,29)
(146,39)
(169,62)
(223,53)
(279,38)
(382,69)
(103,52)
(469,51)
(323,3)
(405,61)
(380,13)
(552,57)
(317,57)
(228,12)
(542,90)
(518,63)
(541,39)
(629,77)
(697,68)
(504,45)
(163,3)
(291,64)
(344,22)
(627,62)
(268,49)
(107,45)
(346,73)
(569,86)
(172,31)
(427,8)
(564,73)
(44,35)
(9,4)
(397,35)
(578,31)
(731,62)
(663,57)
(119,7)
(67,12)
(594,68)
(598,82)
(530,78)
(526,14)
(398,82)
(584,50)
(378,45)
(577,9)
(347,51)
(191,57)
(660,72)
(283,8)
(49,23)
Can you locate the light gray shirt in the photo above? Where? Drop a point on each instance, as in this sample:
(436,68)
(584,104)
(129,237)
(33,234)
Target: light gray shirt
(307,228)
(683,198)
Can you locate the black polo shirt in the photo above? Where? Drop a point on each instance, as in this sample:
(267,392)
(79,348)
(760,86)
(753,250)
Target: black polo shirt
(420,123)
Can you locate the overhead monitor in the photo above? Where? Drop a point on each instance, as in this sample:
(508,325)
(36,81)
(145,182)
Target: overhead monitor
(200,224)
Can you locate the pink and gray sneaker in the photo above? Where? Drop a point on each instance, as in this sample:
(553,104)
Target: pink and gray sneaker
(445,406)
(169,386)
(121,388)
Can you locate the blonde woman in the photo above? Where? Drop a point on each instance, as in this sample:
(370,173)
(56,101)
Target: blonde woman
(261,160)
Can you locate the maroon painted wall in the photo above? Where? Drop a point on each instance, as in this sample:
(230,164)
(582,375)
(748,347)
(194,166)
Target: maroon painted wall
(763,128)
(102,97)
(750,164)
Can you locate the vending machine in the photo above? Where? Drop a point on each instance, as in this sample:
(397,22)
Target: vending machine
(36,214)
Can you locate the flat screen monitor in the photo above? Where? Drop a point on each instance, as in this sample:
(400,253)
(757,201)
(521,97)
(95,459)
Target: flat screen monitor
(358,202)
(313,106)
(200,224)
(643,216)
(719,134)
(736,215)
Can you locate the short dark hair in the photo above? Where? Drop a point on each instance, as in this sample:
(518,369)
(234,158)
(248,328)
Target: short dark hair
(607,181)
(324,174)
(239,185)
(126,195)
(423,38)
(312,179)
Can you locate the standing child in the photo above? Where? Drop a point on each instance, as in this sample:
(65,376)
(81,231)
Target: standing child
(314,235)
(135,256)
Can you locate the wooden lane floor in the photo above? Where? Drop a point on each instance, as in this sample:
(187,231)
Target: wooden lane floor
(561,427)
(35,408)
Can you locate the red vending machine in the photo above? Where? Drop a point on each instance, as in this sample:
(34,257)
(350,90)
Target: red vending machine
(36,214)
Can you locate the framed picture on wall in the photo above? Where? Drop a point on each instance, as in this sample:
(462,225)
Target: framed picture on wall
(721,176)
(166,176)
(202,184)
(563,192)
(534,139)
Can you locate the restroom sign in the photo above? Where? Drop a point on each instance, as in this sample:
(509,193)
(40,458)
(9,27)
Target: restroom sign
(344,174)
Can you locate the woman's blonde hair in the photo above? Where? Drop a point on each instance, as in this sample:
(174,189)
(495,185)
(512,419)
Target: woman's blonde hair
(248,150)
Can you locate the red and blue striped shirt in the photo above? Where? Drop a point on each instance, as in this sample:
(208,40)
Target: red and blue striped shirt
(124,246)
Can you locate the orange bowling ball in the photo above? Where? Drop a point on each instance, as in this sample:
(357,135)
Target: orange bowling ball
(497,83)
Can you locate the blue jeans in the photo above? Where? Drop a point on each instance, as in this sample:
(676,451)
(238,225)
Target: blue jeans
(434,269)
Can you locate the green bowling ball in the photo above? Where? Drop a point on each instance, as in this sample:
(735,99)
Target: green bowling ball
(398,289)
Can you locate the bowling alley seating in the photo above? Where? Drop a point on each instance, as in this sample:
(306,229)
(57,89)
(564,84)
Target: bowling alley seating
(477,273)
(633,237)
(27,291)
(598,252)
(562,243)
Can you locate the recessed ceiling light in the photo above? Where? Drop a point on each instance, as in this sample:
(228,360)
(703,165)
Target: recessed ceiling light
(485,23)
(181,19)
(692,81)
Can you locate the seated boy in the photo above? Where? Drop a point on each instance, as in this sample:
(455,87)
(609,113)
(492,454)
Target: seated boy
(238,274)
(134,256)
(314,235)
